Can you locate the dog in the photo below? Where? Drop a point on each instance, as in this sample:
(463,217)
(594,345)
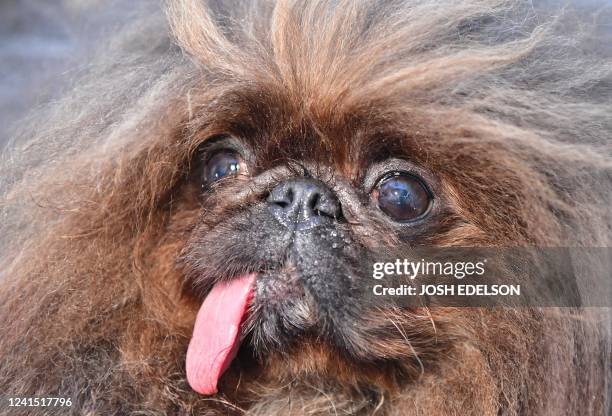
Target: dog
(180,231)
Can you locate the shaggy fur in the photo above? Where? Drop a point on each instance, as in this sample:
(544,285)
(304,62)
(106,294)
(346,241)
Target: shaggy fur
(505,104)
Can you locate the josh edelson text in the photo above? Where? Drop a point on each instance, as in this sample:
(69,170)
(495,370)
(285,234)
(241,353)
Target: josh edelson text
(410,272)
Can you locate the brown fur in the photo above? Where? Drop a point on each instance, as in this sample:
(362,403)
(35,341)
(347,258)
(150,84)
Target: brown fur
(98,204)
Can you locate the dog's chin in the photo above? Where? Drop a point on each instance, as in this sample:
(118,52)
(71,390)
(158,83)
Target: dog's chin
(283,332)
(274,353)
(288,335)
(282,313)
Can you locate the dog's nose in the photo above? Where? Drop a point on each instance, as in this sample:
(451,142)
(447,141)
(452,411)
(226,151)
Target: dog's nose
(303,203)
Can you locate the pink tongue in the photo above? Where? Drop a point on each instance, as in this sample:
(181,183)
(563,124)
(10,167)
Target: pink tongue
(215,338)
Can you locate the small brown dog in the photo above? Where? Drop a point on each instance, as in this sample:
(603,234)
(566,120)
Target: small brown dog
(233,170)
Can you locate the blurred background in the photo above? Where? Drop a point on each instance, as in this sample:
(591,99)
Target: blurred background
(41,42)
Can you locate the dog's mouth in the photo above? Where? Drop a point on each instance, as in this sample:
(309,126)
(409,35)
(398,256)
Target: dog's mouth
(273,313)
(266,305)
(310,285)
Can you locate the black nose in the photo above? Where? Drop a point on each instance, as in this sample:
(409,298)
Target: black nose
(303,203)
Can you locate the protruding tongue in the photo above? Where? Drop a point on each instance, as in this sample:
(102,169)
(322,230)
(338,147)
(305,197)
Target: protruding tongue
(215,338)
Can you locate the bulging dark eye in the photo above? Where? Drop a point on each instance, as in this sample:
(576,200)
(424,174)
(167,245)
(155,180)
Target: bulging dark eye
(222,164)
(402,196)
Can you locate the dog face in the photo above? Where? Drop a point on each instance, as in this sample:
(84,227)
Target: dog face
(299,203)
(209,230)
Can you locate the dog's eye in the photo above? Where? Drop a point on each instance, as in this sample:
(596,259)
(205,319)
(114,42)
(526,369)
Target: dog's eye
(222,164)
(402,196)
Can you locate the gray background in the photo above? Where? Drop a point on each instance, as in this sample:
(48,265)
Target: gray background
(41,41)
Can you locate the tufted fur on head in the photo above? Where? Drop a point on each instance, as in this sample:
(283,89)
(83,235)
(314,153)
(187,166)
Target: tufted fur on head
(505,103)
